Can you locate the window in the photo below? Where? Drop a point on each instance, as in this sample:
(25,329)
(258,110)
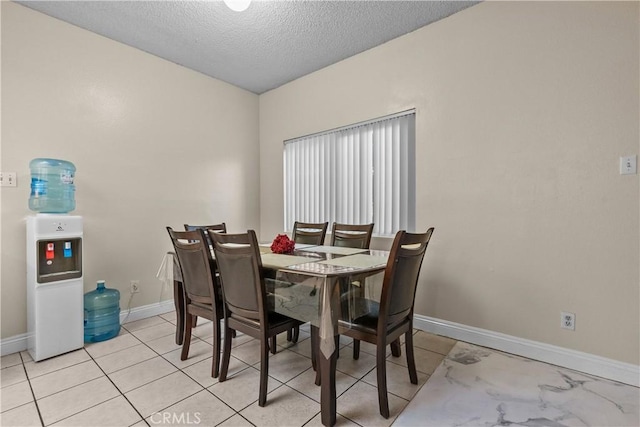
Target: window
(357,174)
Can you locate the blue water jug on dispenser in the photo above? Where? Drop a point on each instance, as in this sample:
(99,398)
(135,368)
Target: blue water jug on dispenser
(101,313)
(52,188)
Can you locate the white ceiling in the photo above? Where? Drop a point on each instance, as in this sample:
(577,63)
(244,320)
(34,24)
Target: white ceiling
(266,46)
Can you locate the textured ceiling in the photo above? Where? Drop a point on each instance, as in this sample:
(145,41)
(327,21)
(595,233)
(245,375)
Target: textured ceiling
(266,46)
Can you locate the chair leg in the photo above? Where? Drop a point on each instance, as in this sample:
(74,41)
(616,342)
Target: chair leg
(395,348)
(314,347)
(411,363)
(381,368)
(178,300)
(356,349)
(318,380)
(264,370)
(215,363)
(186,341)
(226,353)
(274,347)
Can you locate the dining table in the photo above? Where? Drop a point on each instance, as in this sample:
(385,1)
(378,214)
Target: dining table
(312,284)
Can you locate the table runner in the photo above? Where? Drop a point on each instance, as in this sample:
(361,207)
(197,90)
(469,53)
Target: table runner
(357,260)
(338,250)
(281,260)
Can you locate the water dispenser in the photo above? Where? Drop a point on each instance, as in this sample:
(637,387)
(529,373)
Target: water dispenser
(55,316)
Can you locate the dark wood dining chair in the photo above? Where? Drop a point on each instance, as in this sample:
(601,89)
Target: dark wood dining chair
(386,321)
(220,228)
(245,298)
(351,235)
(201,294)
(309,233)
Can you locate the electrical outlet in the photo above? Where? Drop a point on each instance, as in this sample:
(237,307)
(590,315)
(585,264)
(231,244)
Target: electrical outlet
(628,165)
(568,321)
(135,286)
(8,179)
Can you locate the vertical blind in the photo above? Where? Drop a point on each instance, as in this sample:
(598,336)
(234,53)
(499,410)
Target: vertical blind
(354,175)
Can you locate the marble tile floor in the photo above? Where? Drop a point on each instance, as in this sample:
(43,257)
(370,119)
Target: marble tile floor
(138,379)
(476,386)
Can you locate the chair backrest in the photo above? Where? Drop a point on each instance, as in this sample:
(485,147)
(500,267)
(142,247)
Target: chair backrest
(309,233)
(220,228)
(240,268)
(196,264)
(351,235)
(401,277)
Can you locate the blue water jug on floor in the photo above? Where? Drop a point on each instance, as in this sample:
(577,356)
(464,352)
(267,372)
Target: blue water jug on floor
(52,188)
(101,313)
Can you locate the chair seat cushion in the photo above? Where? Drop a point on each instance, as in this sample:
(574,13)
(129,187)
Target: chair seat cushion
(362,313)
(206,307)
(274,319)
(201,305)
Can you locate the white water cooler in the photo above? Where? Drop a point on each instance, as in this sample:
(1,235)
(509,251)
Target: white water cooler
(55,313)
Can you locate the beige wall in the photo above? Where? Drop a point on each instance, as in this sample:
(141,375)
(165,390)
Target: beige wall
(155,144)
(523,110)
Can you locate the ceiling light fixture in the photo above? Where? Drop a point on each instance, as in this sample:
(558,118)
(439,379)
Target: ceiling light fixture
(237,5)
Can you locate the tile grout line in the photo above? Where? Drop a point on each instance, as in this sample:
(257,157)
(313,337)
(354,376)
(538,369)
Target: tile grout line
(35,401)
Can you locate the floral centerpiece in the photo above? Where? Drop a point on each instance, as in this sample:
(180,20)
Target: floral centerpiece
(282,244)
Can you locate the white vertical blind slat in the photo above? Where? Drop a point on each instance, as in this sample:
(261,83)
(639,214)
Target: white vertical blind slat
(396,172)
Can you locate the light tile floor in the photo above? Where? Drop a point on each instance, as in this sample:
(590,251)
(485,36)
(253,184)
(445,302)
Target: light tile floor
(138,379)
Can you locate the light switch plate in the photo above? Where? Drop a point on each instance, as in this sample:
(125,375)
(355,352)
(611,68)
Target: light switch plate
(8,179)
(628,165)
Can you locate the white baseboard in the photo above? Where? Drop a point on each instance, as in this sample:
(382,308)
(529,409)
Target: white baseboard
(145,311)
(13,344)
(572,359)
(19,342)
